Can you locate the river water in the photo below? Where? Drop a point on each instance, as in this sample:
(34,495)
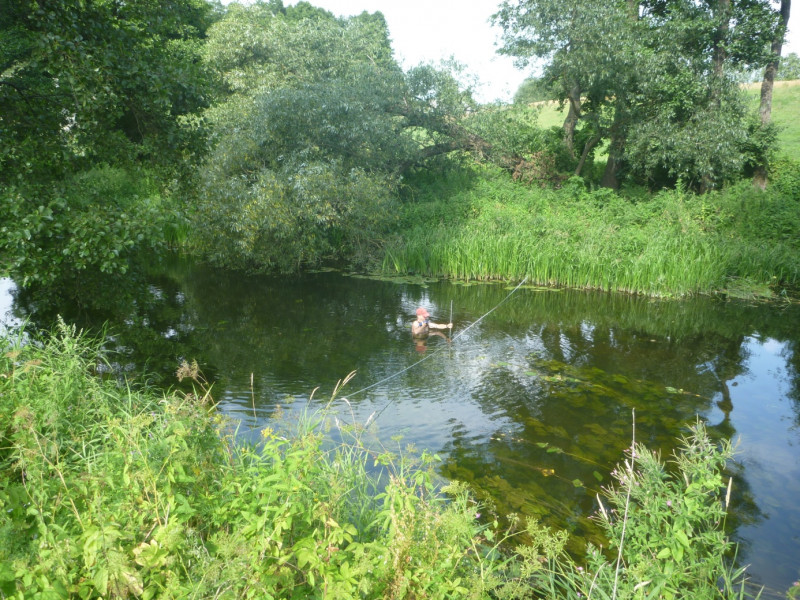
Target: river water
(530,399)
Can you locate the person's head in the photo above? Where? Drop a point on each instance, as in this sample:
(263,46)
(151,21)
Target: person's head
(422,313)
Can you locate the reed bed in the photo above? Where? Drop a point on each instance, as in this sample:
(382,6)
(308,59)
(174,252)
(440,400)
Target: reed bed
(669,244)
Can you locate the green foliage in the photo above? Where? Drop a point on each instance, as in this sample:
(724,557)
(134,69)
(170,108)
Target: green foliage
(785,177)
(789,68)
(512,138)
(533,90)
(656,80)
(117,491)
(113,491)
(670,243)
(97,101)
(82,81)
(95,220)
(317,125)
(666,527)
(669,526)
(289,220)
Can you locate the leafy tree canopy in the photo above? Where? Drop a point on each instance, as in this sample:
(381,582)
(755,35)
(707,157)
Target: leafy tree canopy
(92,93)
(655,78)
(315,127)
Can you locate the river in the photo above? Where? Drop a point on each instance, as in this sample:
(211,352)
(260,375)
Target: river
(529,400)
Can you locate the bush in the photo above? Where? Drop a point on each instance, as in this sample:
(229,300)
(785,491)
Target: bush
(112,492)
(785,177)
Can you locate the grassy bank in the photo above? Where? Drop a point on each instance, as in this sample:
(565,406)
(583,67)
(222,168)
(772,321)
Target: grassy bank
(480,224)
(114,491)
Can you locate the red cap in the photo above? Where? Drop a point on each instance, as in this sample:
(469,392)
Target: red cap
(421,312)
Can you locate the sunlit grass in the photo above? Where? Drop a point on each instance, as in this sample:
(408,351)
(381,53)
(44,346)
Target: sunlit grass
(785,108)
(670,244)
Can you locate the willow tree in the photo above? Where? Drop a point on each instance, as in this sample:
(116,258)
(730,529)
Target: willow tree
(316,127)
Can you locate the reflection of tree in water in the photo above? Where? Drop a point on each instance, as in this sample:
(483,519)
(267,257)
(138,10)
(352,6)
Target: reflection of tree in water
(142,314)
(793,368)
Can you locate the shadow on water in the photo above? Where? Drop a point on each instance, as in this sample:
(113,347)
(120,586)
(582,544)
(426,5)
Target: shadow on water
(531,404)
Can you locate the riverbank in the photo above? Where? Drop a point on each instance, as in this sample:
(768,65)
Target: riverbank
(116,490)
(478,224)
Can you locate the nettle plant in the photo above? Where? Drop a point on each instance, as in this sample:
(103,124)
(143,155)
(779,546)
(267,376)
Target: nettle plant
(665,525)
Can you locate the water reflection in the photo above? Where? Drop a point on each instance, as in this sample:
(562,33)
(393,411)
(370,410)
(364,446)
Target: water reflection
(530,403)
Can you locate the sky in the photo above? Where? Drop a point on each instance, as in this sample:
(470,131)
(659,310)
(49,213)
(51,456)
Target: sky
(434,30)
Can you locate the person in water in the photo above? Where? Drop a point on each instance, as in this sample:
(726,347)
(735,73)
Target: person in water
(422,326)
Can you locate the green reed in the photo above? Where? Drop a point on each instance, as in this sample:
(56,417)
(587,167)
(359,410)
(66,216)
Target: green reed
(669,244)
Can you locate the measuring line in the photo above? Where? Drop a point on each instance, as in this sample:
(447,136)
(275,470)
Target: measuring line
(435,352)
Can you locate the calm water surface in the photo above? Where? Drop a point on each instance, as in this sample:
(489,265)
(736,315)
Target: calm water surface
(531,403)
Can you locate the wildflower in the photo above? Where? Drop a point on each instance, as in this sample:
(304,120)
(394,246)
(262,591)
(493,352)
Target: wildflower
(669,503)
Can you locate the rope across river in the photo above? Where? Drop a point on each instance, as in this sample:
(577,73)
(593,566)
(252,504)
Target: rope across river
(435,352)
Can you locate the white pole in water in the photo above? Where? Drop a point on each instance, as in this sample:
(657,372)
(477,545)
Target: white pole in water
(451,317)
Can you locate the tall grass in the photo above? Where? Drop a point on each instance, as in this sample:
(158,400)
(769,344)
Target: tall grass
(117,492)
(669,244)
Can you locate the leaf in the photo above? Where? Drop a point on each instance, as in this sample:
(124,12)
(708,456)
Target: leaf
(677,553)
(664,554)
(681,536)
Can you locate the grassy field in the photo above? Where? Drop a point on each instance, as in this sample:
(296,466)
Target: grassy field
(785,108)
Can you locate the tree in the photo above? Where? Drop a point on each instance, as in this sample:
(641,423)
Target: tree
(655,78)
(93,94)
(765,109)
(315,129)
(789,67)
(82,80)
(582,43)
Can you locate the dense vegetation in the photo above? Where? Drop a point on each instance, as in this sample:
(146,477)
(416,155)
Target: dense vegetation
(112,490)
(267,137)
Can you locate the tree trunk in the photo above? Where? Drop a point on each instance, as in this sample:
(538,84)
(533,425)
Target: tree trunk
(610,179)
(721,38)
(586,149)
(571,122)
(760,176)
(616,146)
